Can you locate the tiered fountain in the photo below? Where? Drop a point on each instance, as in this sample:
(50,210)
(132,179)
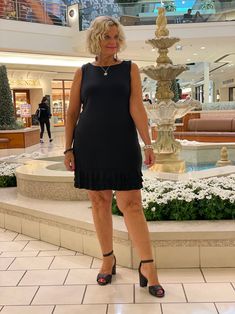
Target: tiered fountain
(165,111)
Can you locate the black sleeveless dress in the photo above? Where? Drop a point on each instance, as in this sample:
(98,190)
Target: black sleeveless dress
(106,148)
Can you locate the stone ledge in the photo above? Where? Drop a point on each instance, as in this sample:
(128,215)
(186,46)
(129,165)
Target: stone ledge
(69,224)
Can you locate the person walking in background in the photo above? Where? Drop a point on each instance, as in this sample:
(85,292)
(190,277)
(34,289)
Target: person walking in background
(188,16)
(147,99)
(102,146)
(43,114)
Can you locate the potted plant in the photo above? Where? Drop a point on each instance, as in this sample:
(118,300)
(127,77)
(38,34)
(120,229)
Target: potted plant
(170,6)
(207,5)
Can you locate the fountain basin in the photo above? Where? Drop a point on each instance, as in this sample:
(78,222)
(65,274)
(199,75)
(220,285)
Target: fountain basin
(43,179)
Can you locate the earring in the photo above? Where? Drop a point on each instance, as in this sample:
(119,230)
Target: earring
(116,57)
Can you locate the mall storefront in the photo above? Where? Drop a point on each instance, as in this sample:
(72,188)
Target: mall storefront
(27,94)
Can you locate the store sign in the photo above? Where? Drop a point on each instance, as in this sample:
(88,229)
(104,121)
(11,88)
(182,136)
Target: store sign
(24,83)
(25,110)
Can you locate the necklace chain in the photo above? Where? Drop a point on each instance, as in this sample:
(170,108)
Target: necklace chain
(105,71)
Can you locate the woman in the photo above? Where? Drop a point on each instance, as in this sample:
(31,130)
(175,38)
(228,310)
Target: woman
(106,154)
(43,114)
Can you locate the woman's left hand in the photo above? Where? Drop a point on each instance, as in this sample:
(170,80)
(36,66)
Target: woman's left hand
(149,157)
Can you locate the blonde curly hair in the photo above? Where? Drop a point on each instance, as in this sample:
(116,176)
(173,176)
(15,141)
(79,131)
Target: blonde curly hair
(98,29)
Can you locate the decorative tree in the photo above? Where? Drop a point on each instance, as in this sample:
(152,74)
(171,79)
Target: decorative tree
(7,116)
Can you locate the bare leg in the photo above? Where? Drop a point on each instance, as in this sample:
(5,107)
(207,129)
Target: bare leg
(129,202)
(102,216)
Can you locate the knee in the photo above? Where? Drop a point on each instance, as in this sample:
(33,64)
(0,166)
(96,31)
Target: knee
(131,206)
(100,202)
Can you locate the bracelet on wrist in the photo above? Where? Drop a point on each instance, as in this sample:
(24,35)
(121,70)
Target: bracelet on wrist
(148,147)
(68,150)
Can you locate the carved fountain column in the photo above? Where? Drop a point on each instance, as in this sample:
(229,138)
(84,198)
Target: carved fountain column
(165,111)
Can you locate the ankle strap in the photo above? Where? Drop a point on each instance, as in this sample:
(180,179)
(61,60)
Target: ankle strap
(147,261)
(108,254)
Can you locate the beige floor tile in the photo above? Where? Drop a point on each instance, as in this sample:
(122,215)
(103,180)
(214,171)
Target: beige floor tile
(16,295)
(126,275)
(8,236)
(59,295)
(225,308)
(35,309)
(57,253)
(180,275)
(19,253)
(174,293)
(10,278)
(88,276)
(12,246)
(22,237)
(189,308)
(82,276)
(81,309)
(61,262)
(134,308)
(31,263)
(40,246)
(5,262)
(108,294)
(96,263)
(219,274)
(210,292)
(43,277)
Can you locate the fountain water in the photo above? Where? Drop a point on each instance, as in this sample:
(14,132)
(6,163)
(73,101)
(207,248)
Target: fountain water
(165,111)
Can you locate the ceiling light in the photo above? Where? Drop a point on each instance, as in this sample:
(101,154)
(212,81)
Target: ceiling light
(178,47)
(203,48)
(195,54)
(188,59)
(153,49)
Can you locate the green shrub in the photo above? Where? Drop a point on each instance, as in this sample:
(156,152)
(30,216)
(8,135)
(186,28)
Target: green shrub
(205,199)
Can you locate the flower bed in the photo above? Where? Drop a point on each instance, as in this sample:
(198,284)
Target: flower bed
(204,199)
(7,174)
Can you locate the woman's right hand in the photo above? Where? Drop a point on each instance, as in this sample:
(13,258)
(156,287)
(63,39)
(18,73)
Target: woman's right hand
(69,161)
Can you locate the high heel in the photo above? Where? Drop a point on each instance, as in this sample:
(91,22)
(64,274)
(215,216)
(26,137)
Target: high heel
(156,290)
(104,279)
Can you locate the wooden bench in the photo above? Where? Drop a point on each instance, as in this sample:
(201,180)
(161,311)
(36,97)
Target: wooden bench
(4,142)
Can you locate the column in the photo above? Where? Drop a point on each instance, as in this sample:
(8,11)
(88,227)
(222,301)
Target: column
(206,82)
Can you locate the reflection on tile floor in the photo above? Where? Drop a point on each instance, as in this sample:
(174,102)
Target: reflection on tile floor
(41,278)
(38,278)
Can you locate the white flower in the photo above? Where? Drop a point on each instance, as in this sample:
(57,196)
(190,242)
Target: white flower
(8,169)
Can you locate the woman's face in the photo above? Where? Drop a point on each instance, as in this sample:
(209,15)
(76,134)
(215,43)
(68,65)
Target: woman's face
(110,44)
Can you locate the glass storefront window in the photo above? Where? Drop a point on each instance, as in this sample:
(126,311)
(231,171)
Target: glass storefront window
(57,84)
(60,101)
(67,84)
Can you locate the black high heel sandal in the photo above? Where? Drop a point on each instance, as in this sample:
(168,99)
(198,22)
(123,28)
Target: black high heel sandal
(104,279)
(156,290)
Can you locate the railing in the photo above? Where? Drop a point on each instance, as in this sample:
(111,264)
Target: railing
(36,11)
(130,13)
(144,13)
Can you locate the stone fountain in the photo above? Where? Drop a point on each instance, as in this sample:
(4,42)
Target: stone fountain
(165,110)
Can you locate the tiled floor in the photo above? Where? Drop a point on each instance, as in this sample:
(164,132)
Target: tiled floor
(41,278)
(37,277)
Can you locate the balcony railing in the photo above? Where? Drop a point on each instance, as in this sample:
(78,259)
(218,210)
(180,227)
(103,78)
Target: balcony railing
(36,11)
(130,13)
(145,12)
